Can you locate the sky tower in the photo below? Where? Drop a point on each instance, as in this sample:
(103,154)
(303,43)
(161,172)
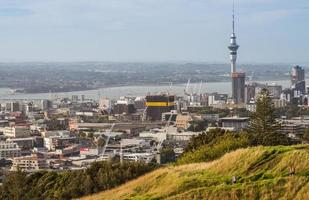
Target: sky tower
(238,78)
(233,46)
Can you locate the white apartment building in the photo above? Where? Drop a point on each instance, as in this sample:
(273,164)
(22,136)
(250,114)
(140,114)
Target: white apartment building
(9,150)
(16,131)
(29,163)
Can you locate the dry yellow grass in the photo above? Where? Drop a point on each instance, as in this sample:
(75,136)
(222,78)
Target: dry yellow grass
(263,172)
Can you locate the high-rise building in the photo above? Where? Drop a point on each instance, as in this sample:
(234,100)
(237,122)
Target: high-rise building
(45,104)
(27,108)
(250,92)
(297,74)
(238,87)
(298,80)
(74,98)
(83,98)
(158,104)
(238,78)
(15,107)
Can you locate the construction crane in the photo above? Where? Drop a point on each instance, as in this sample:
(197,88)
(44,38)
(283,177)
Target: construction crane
(171,87)
(200,88)
(144,116)
(166,128)
(186,91)
(194,90)
(108,138)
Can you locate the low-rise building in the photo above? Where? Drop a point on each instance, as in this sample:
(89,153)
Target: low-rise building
(251,106)
(47,134)
(169,116)
(9,150)
(58,142)
(293,130)
(29,163)
(183,121)
(16,131)
(236,122)
(124,106)
(280,103)
(211,117)
(27,143)
(85,151)
(86,113)
(23,143)
(141,157)
(182,136)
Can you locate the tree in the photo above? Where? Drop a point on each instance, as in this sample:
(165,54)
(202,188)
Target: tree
(263,127)
(197,125)
(100,142)
(82,134)
(306,135)
(66,185)
(90,135)
(88,184)
(167,155)
(14,185)
(203,139)
(216,148)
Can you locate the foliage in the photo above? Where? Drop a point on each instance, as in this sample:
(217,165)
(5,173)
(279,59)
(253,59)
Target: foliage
(94,119)
(263,127)
(291,110)
(242,112)
(203,139)
(306,135)
(197,125)
(223,112)
(167,155)
(100,142)
(90,135)
(215,148)
(212,110)
(14,185)
(70,184)
(82,134)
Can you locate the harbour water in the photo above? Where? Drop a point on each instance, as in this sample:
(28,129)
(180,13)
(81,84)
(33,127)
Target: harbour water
(116,92)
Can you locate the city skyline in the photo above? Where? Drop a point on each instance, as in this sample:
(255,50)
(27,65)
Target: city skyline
(271,31)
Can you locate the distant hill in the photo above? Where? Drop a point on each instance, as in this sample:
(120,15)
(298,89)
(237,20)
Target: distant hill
(261,173)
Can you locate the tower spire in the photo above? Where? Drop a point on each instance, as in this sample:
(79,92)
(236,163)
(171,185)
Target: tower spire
(234,16)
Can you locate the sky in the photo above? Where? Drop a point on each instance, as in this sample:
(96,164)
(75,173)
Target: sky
(268,31)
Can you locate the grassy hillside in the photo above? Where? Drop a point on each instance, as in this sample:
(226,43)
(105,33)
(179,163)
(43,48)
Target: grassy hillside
(262,173)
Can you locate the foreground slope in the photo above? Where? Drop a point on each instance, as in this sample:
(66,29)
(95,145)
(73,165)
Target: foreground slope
(261,173)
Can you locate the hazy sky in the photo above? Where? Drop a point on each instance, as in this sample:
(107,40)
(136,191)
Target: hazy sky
(153,30)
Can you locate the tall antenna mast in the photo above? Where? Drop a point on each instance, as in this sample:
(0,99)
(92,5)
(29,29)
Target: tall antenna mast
(233,16)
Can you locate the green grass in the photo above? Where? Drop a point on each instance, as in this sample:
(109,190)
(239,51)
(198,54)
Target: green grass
(262,173)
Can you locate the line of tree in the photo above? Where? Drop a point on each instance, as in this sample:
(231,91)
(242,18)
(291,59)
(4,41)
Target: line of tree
(70,184)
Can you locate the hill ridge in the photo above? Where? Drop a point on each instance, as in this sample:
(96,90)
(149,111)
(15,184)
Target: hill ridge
(279,172)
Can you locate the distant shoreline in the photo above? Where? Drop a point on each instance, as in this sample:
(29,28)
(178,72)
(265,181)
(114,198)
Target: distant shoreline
(18,91)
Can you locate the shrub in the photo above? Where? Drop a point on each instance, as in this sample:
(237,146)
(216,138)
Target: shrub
(215,149)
